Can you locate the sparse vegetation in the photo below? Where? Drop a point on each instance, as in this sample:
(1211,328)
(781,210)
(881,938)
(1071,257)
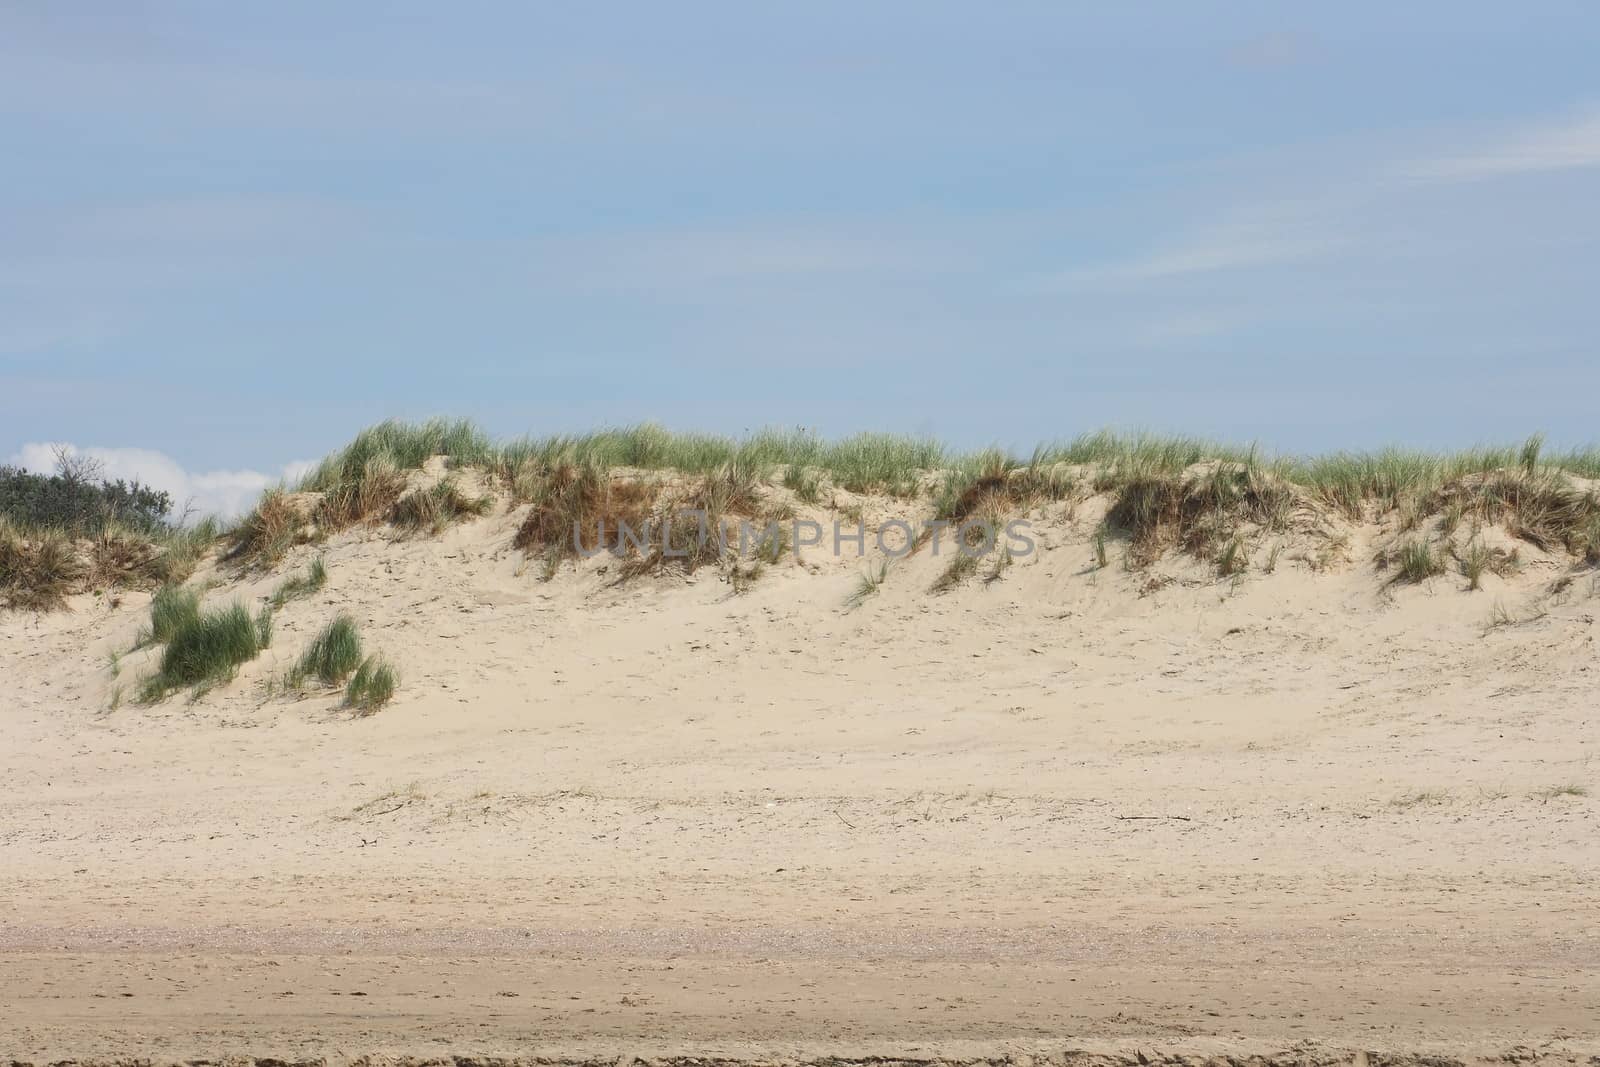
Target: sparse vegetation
(1233,559)
(1421,798)
(997,570)
(301,585)
(1555,791)
(868,584)
(961,567)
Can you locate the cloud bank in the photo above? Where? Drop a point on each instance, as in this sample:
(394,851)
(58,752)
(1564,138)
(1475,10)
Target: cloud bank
(223,493)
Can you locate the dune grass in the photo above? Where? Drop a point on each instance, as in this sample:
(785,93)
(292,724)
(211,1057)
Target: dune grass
(1413,560)
(206,648)
(958,570)
(38,568)
(867,584)
(331,656)
(372,685)
(172,608)
(437,507)
(302,585)
(41,566)
(1206,497)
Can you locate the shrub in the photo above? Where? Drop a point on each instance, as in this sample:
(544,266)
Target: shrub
(75,501)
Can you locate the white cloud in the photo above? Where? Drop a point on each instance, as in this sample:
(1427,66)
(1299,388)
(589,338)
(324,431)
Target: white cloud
(1569,144)
(223,493)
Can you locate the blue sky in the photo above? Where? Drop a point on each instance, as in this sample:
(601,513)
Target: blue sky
(233,234)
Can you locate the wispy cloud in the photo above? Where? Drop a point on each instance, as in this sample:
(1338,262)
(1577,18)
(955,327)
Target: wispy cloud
(1569,144)
(1277,237)
(225,493)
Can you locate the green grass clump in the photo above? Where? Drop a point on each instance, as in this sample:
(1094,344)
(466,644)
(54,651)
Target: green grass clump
(315,577)
(1415,560)
(804,482)
(372,685)
(331,655)
(172,608)
(400,446)
(204,649)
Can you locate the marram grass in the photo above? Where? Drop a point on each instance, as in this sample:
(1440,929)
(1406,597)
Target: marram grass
(1164,491)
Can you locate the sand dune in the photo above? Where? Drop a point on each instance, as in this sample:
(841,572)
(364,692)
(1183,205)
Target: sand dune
(1137,813)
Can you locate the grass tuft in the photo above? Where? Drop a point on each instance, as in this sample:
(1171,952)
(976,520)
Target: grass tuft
(301,585)
(959,569)
(172,608)
(867,585)
(331,655)
(37,569)
(438,507)
(1414,561)
(372,685)
(206,649)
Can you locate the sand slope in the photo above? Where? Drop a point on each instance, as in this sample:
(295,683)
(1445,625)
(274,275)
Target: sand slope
(1074,808)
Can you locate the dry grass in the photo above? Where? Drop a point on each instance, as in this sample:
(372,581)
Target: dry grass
(1198,512)
(958,570)
(38,569)
(580,504)
(1413,560)
(270,530)
(437,508)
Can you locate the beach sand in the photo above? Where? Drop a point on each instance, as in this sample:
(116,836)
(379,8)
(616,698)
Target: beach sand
(1076,814)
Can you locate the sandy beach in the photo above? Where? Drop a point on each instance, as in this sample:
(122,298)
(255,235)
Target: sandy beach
(1078,813)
